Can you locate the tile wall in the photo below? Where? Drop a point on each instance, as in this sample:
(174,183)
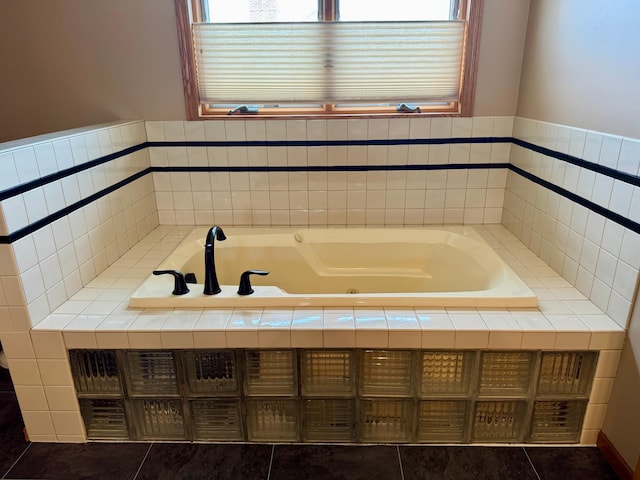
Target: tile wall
(599,256)
(328,180)
(340,176)
(58,233)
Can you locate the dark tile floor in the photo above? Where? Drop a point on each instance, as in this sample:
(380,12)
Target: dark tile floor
(20,459)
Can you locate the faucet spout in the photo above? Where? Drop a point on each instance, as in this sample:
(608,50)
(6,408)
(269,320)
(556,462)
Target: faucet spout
(211,285)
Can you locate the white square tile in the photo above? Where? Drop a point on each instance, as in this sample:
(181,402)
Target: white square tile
(176,339)
(24,372)
(15,213)
(605,333)
(142,339)
(67,423)
(61,398)
(339,328)
(339,338)
(31,397)
(594,416)
(109,340)
(48,345)
(504,331)
(38,423)
(209,338)
(608,361)
(572,340)
(589,437)
(17,345)
(55,372)
(601,390)
(470,339)
(242,338)
(629,154)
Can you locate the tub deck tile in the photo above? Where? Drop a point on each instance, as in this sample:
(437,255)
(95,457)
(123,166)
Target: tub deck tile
(547,326)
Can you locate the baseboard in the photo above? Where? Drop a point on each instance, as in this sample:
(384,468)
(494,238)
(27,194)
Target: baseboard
(608,450)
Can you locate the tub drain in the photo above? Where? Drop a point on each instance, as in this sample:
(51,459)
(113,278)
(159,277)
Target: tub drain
(353,291)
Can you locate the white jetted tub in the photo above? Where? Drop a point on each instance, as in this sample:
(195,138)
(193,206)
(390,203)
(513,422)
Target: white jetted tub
(335,267)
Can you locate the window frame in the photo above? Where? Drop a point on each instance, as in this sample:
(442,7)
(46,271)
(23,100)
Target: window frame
(189,11)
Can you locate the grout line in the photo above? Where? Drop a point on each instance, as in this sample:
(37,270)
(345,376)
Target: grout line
(531,463)
(273,449)
(143,460)
(400,462)
(17,460)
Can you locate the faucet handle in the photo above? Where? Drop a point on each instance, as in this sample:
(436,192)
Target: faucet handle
(179,285)
(245,284)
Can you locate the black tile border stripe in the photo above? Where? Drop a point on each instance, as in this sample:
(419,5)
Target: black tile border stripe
(330,143)
(334,168)
(43,222)
(25,187)
(616,174)
(613,216)
(595,167)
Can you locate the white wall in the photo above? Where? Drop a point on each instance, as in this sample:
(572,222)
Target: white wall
(581,65)
(84,63)
(578,94)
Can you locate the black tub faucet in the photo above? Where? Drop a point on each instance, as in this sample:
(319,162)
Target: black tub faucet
(211,285)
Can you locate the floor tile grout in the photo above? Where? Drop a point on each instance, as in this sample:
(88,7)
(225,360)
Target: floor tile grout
(273,449)
(531,463)
(143,460)
(400,462)
(17,460)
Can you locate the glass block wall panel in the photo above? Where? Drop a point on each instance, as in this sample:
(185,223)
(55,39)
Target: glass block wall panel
(159,418)
(212,372)
(329,420)
(95,371)
(216,419)
(442,420)
(505,373)
(327,372)
(386,373)
(557,421)
(385,420)
(104,419)
(446,373)
(272,420)
(498,421)
(270,372)
(566,373)
(151,373)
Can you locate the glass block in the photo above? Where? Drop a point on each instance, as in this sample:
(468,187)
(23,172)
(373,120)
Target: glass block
(216,419)
(270,372)
(329,420)
(442,420)
(272,420)
(328,373)
(159,419)
(505,373)
(383,420)
(446,373)
(212,372)
(499,421)
(104,419)
(566,373)
(557,421)
(386,373)
(151,373)
(95,371)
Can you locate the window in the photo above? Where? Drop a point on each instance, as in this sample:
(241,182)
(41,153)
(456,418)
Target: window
(328,57)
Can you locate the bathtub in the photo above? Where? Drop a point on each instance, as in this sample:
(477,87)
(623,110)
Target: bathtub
(342,267)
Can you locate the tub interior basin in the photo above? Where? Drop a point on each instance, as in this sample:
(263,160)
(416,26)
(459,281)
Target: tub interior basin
(343,266)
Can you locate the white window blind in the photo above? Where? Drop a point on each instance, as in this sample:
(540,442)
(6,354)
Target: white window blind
(329,62)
